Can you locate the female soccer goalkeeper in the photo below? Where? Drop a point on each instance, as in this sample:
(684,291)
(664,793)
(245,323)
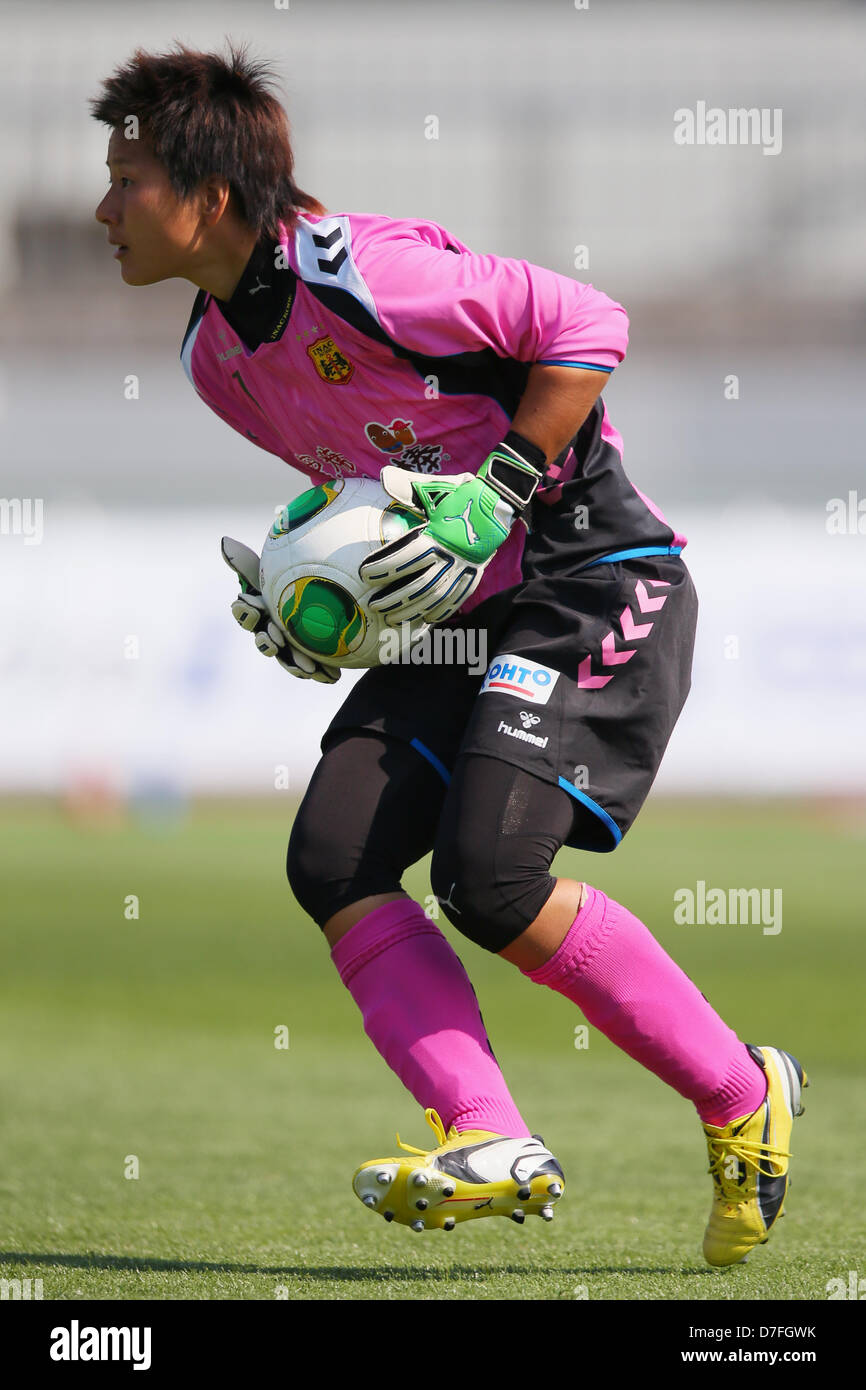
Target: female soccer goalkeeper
(471,383)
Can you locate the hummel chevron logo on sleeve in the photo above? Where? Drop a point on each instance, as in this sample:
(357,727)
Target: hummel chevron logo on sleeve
(331,264)
(325,257)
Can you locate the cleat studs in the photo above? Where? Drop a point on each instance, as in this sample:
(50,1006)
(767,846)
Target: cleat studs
(421,1204)
(369,1200)
(383,1178)
(518,1216)
(555,1189)
(546,1213)
(449,1223)
(417,1225)
(448,1191)
(419,1179)
(388,1215)
(524,1193)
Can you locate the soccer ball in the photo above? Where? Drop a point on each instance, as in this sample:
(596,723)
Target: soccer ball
(309,569)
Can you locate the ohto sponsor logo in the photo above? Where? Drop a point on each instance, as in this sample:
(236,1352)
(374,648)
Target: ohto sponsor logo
(526,680)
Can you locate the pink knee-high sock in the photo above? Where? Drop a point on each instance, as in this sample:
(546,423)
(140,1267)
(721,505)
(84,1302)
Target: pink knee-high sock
(421,1014)
(616,972)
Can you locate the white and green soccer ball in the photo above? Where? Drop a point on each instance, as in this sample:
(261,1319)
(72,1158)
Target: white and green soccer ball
(309,569)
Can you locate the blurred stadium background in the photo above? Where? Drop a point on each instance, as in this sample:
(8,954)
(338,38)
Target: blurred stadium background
(128,694)
(555,131)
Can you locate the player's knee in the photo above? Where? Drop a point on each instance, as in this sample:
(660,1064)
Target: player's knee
(326,873)
(488,896)
(306,870)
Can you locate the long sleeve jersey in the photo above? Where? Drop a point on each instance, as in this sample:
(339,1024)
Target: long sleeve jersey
(359,340)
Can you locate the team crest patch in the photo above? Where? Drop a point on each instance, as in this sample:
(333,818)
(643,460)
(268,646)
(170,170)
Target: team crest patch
(515,675)
(331,364)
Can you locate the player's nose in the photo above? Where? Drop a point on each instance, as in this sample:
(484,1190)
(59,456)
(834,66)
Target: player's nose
(104,210)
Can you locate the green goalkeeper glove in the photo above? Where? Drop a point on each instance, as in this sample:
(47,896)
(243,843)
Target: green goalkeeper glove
(430,572)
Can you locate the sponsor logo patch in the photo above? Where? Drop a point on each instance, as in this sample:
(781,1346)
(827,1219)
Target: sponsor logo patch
(517,676)
(423,458)
(399,441)
(522,735)
(326,460)
(390,439)
(227,352)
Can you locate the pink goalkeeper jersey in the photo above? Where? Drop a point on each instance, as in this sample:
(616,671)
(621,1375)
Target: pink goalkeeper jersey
(395,343)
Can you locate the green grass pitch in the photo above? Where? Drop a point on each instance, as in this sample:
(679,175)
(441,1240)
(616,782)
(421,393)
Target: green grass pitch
(152,1038)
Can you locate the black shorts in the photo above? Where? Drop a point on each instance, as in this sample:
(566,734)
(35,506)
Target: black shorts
(586,677)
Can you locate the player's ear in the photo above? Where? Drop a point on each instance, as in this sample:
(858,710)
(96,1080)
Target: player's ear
(215,195)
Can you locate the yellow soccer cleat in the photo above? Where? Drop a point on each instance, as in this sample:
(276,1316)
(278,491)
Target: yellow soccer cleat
(749,1162)
(467,1175)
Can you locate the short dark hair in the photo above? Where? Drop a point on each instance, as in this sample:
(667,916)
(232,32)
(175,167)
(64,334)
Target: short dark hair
(204,114)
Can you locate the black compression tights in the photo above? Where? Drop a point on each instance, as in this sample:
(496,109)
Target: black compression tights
(375,806)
